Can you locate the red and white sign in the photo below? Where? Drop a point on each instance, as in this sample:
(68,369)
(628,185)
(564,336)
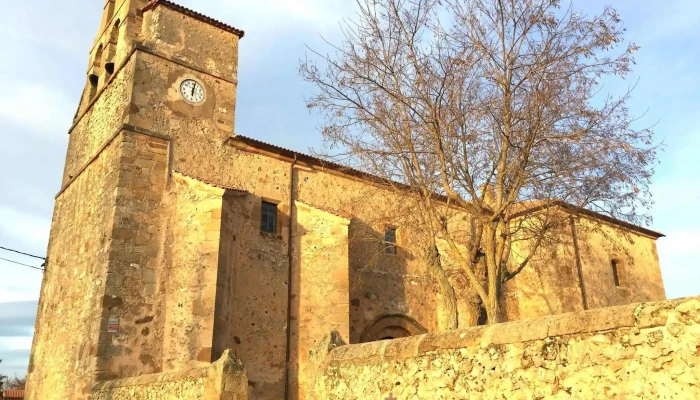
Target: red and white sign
(113,325)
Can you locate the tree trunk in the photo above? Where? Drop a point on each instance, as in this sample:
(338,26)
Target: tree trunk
(493,309)
(468,301)
(493,273)
(449,299)
(469,311)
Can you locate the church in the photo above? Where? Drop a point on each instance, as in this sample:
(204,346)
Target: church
(175,238)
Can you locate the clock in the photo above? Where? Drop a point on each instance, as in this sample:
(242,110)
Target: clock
(192,91)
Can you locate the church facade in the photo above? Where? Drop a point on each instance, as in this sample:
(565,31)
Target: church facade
(174,239)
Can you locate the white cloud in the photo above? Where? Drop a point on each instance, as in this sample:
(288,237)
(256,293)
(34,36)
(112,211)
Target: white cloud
(16,331)
(43,24)
(23,291)
(25,284)
(36,106)
(297,14)
(13,35)
(671,20)
(309,13)
(28,233)
(269,22)
(23,227)
(19,342)
(678,254)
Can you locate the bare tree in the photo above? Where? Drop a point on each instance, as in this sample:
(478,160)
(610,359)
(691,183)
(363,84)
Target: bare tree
(2,380)
(487,107)
(16,383)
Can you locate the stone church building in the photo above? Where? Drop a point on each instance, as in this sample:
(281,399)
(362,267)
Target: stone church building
(174,238)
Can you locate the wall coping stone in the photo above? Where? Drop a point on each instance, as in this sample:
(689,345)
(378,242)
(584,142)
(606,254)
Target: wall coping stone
(640,315)
(228,364)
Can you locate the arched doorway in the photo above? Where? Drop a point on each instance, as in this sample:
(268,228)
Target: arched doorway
(391,326)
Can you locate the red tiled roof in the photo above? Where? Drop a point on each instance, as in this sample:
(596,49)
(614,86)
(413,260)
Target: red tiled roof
(519,210)
(13,394)
(194,14)
(531,207)
(305,158)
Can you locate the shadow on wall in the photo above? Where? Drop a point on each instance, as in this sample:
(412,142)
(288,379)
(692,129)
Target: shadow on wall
(611,264)
(343,277)
(319,287)
(381,283)
(350,276)
(251,301)
(616,267)
(549,285)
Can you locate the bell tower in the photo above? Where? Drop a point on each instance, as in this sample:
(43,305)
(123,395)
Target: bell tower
(159,97)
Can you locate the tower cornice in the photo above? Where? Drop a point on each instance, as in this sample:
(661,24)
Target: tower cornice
(193,14)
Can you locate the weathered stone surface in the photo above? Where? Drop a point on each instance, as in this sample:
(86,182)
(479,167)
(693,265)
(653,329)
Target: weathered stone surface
(598,362)
(157,262)
(225,379)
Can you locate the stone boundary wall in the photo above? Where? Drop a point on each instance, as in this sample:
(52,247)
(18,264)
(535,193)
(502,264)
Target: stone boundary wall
(225,379)
(649,350)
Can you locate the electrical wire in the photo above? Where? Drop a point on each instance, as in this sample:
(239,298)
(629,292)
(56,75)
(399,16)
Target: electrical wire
(24,265)
(24,254)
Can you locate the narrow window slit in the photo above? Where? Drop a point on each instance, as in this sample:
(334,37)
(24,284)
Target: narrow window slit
(390,240)
(615,265)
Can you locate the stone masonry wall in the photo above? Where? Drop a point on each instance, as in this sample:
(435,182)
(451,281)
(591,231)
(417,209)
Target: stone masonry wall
(99,123)
(198,44)
(131,299)
(649,350)
(638,266)
(189,275)
(158,230)
(63,358)
(551,285)
(257,267)
(320,288)
(225,379)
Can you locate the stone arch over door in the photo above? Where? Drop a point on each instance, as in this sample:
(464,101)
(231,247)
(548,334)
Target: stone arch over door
(391,326)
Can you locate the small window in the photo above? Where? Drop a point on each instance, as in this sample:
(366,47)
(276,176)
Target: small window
(390,240)
(268,218)
(616,271)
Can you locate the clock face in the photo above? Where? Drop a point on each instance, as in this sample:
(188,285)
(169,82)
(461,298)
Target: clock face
(192,91)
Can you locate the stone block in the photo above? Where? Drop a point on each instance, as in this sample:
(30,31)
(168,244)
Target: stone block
(592,320)
(590,363)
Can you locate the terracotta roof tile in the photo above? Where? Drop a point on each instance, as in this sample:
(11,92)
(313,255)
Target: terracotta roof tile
(535,206)
(13,394)
(519,209)
(302,157)
(194,14)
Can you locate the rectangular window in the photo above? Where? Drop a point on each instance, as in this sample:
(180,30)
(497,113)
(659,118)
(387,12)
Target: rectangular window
(615,270)
(390,240)
(268,217)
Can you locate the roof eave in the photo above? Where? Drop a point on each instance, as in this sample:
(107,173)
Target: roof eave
(291,154)
(194,14)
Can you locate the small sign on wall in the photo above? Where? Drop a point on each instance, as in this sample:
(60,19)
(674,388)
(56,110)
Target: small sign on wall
(113,325)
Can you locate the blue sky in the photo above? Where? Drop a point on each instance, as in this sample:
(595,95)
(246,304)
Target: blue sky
(44,54)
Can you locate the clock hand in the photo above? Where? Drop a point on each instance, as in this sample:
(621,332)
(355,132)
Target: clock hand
(193,86)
